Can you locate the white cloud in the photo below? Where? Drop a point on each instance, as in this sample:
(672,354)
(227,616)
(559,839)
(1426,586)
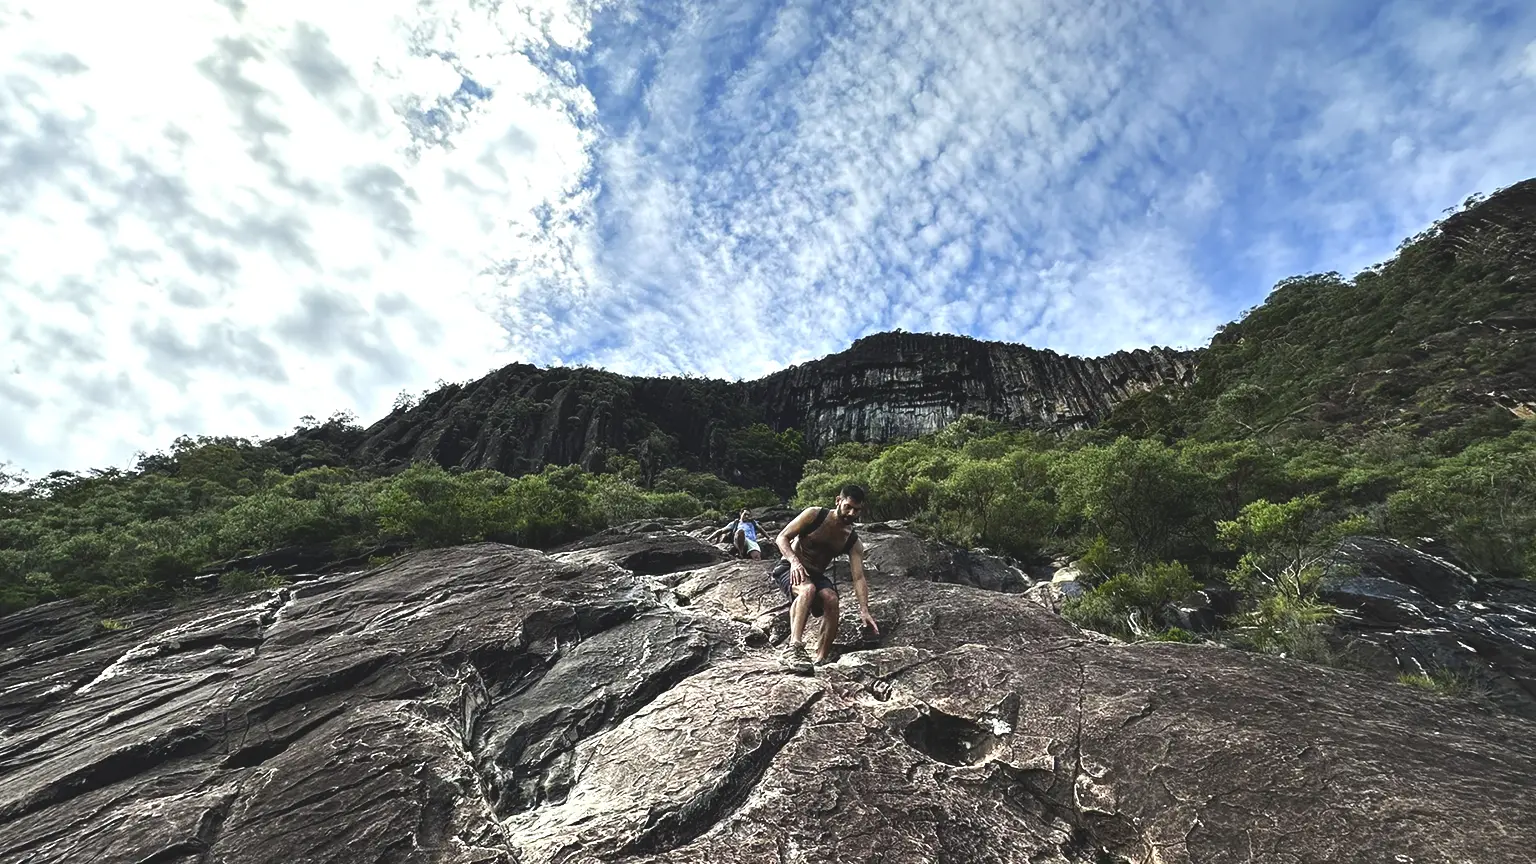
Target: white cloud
(216,222)
(1064,174)
(219,218)
(1423,116)
(930,167)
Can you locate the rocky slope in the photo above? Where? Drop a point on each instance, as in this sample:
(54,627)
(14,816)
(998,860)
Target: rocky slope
(521,418)
(620,700)
(1414,612)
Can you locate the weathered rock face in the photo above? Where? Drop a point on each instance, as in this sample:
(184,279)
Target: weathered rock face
(493,704)
(1410,612)
(895,385)
(521,418)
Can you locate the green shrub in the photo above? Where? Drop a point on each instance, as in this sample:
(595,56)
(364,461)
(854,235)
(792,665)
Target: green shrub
(124,539)
(1290,626)
(431,507)
(1449,683)
(1482,500)
(243,582)
(1146,502)
(1131,604)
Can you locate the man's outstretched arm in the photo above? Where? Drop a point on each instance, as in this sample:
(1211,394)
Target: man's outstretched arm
(860,584)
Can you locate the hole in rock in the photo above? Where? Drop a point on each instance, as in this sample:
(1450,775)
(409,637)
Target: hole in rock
(950,739)
(658,562)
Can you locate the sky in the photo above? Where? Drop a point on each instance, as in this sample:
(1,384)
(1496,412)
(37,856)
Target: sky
(218,217)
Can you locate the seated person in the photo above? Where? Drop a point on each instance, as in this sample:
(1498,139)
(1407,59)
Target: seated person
(743,533)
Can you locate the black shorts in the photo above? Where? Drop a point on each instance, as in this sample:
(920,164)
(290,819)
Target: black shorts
(780,575)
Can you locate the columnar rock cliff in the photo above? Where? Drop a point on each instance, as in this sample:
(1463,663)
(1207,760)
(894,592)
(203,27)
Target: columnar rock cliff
(521,418)
(894,385)
(622,700)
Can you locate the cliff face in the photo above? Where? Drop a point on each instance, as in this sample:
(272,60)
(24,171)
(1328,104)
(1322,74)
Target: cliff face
(883,388)
(521,418)
(895,385)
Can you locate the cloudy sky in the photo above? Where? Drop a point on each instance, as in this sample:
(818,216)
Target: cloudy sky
(217,216)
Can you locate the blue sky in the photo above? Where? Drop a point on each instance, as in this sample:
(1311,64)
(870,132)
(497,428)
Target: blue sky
(244,213)
(1084,177)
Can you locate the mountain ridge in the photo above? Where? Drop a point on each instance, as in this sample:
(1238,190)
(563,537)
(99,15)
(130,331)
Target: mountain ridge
(884,387)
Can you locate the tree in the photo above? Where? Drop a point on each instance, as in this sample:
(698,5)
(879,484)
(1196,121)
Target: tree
(1138,495)
(1482,500)
(1285,549)
(1284,545)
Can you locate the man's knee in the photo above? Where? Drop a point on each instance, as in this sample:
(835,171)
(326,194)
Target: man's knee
(806,591)
(829,600)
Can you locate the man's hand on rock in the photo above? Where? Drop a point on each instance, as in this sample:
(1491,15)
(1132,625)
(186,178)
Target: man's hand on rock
(869,621)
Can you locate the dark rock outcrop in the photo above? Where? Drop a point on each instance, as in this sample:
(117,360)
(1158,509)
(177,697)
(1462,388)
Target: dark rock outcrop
(1454,346)
(494,704)
(1410,612)
(884,387)
(896,385)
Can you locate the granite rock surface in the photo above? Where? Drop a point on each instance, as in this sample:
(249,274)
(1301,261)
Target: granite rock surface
(1408,611)
(606,703)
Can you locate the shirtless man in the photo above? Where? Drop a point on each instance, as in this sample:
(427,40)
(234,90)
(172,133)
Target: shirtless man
(808,549)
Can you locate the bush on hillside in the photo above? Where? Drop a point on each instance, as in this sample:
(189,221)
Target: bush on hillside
(1131,604)
(1482,500)
(124,538)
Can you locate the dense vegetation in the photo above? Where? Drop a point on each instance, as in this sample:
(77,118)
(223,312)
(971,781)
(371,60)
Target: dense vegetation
(1395,404)
(1147,520)
(124,538)
(1435,343)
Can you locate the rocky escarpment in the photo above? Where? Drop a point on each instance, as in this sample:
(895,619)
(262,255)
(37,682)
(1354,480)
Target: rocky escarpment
(895,385)
(521,418)
(1445,335)
(1407,611)
(620,700)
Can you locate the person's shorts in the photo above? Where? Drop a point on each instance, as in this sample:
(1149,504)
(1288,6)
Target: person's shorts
(752,546)
(780,574)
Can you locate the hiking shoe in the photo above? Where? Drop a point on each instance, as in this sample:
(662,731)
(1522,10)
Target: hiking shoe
(795,658)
